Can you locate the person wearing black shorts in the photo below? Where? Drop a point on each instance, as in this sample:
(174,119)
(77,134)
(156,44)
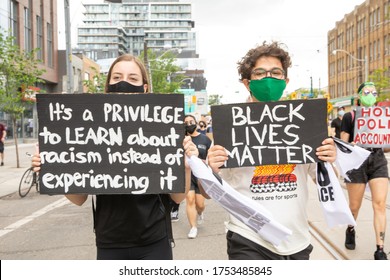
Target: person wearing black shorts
(373,172)
(195,200)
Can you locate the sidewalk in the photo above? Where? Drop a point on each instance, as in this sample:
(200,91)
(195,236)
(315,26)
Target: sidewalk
(11,142)
(9,173)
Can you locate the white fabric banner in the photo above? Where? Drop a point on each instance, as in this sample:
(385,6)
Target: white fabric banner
(349,157)
(247,211)
(259,219)
(333,202)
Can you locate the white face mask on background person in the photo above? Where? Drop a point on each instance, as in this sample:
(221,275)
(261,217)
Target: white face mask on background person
(341,113)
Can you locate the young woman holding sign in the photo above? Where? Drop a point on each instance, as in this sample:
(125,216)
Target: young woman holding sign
(131,226)
(373,172)
(281,189)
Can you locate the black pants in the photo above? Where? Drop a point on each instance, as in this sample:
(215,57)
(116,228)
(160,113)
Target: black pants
(240,248)
(160,250)
(175,206)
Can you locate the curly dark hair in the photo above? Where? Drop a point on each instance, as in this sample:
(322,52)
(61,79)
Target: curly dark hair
(274,49)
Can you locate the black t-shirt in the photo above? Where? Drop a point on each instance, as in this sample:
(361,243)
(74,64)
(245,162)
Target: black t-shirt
(336,123)
(203,144)
(123,221)
(347,125)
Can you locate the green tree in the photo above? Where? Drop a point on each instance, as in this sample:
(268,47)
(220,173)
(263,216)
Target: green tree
(165,76)
(19,72)
(382,82)
(98,82)
(305,94)
(215,99)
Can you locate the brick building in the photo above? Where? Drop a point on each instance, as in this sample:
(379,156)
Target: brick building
(357,46)
(33,23)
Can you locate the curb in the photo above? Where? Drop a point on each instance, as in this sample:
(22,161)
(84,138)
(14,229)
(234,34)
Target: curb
(11,142)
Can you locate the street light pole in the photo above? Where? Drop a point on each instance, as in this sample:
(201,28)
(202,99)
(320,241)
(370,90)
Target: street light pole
(68,52)
(365,60)
(189,84)
(147,61)
(311,86)
(147,65)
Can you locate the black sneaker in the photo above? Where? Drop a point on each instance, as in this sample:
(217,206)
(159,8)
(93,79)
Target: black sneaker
(175,216)
(350,239)
(380,255)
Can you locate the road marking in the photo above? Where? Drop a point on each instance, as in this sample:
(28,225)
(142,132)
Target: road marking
(36,214)
(332,250)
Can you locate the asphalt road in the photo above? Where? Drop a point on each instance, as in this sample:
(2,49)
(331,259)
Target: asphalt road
(42,227)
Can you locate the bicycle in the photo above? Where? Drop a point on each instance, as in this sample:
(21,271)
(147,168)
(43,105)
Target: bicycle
(28,180)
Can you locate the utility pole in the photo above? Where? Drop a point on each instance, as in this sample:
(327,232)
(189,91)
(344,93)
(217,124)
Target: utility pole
(311,86)
(69,68)
(319,86)
(147,65)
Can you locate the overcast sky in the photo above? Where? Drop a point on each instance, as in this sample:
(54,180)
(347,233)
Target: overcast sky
(227,29)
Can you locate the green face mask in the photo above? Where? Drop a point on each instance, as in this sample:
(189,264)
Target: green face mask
(367,100)
(267,89)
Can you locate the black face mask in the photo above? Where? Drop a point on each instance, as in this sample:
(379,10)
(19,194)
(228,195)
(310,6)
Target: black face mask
(190,128)
(126,87)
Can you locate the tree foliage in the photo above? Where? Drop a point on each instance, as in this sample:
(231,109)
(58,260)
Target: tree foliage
(165,76)
(304,93)
(382,81)
(215,99)
(98,82)
(19,73)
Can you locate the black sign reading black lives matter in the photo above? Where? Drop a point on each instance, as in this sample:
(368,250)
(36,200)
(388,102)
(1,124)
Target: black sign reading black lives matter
(111,143)
(270,133)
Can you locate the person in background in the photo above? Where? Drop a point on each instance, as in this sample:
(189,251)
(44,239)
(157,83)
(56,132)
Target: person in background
(176,206)
(209,129)
(131,227)
(373,172)
(175,212)
(3,135)
(336,123)
(263,71)
(195,199)
(210,126)
(202,127)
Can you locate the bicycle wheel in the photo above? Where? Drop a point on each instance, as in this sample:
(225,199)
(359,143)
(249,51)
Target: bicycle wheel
(26,182)
(36,180)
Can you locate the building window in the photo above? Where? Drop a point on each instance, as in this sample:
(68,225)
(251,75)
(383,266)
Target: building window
(386,45)
(13,21)
(27,30)
(49,45)
(371,52)
(378,16)
(378,45)
(364,25)
(39,38)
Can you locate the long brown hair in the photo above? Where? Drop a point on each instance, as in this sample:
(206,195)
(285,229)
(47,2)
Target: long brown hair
(128,57)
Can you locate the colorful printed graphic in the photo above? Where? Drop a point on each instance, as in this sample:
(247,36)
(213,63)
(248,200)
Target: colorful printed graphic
(270,178)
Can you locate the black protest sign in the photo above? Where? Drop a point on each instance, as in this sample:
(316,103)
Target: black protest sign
(265,133)
(111,143)
(372,127)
